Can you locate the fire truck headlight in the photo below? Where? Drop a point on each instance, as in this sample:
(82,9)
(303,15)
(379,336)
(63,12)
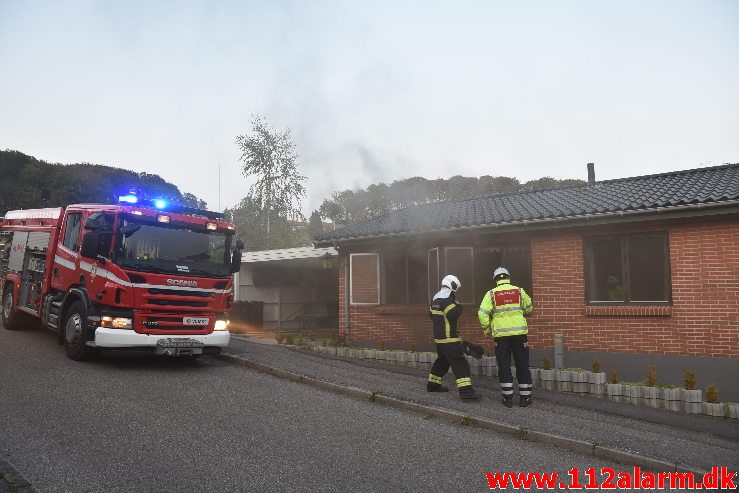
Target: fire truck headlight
(221,325)
(122,323)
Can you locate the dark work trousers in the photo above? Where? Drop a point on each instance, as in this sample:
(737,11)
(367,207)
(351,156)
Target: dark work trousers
(519,347)
(452,354)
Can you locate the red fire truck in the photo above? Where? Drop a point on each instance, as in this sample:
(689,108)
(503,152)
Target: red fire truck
(141,274)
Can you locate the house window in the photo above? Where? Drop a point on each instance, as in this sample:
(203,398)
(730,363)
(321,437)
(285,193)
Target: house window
(395,271)
(459,263)
(72,232)
(632,269)
(433,273)
(418,282)
(364,278)
(514,257)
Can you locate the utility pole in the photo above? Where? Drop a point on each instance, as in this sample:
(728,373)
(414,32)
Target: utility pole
(219,188)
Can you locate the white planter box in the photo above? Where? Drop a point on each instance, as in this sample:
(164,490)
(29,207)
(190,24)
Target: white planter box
(597,378)
(564,380)
(579,382)
(369,353)
(633,394)
(332,351)
(615,392)
(650,397)
(733,408)
(547,378)
(534,377)
(672,399)
(692,401)
(412,359)
(711,409)
(597,389)
(380,355)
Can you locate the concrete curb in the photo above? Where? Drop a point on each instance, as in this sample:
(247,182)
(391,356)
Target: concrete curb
(12,481)
(579,446)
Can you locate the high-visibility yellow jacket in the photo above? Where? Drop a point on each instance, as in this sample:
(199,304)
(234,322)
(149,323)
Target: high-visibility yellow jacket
(502,310)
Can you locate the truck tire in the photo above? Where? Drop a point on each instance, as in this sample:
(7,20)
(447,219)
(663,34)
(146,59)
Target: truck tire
(75,332)
(10,317)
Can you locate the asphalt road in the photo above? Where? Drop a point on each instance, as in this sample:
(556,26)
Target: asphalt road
(157,424)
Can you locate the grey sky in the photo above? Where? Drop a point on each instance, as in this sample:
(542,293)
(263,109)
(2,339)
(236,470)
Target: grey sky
(374,91)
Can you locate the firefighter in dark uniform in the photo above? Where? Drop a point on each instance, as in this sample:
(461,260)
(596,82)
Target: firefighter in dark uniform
(501,316)
(444,313)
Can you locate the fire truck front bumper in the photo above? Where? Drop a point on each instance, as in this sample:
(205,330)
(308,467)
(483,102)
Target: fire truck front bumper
(118,338)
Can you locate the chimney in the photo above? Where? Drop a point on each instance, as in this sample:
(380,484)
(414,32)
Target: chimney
(591,173)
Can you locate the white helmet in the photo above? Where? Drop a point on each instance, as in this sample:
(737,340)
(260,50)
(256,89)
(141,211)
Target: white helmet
(451,282)
(501,271)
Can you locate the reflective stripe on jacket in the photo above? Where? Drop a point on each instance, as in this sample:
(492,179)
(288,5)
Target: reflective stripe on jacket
(502,310)
(444,313)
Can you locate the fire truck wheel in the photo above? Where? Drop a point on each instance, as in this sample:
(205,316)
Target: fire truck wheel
(9,316)
(75,333)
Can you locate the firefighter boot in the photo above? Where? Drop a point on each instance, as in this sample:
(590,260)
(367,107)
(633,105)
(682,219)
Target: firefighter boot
(524,401)
(435,387)
(467,393)
(508,400)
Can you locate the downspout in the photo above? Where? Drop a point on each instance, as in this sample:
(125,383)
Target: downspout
(346,295)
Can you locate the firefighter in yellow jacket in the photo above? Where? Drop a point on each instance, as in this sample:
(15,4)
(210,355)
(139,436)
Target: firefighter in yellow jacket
(444,312)
(501,315)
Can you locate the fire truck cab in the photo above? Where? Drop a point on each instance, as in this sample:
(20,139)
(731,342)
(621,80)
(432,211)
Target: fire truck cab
(136,275)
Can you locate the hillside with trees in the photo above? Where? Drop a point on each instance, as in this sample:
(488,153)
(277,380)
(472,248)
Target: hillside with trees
(29,183)
(351,206)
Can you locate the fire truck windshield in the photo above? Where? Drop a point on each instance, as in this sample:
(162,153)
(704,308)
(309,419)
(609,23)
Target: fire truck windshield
(170,249)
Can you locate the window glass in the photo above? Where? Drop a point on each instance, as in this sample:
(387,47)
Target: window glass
(364,283)
(647,268)
(433,273)
(418,284)
(487,259)
(632,268)
(396,285)
(606,275)
(459,263)
(517,259)
(72,232)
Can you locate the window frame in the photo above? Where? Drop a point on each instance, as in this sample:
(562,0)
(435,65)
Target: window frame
(75,241)
(625,254)
(468,285)
(351,278)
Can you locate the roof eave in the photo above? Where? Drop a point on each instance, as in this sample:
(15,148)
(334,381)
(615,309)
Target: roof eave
(672,212)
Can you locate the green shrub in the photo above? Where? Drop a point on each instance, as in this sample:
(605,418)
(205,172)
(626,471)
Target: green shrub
(414,348)
(546,364)
(712,394)
(689,380)
(279,337)
(289,339)
(614,376)
(597,366)
(651,375)
(381,345)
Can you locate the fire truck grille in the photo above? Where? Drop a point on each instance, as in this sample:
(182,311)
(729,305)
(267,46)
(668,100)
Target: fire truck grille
(177,298)
(177,292)
(160,302)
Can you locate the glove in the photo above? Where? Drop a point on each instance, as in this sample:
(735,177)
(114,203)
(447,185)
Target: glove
(474,350)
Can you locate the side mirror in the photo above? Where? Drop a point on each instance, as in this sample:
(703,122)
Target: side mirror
(236,261)
(239,244)
(90,243)
(93,224)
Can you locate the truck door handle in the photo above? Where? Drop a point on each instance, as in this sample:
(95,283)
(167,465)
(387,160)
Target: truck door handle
(56,271)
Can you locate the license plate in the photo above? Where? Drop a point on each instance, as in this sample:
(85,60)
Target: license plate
(179,347)
(195,321)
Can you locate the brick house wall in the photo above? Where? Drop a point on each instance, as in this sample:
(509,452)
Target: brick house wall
(702,321)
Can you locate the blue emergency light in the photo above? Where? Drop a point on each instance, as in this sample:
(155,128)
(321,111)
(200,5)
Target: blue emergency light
(128,199)
(160,204)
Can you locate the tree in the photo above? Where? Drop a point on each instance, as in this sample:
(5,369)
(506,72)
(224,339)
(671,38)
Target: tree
(269,155)
(315,224)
